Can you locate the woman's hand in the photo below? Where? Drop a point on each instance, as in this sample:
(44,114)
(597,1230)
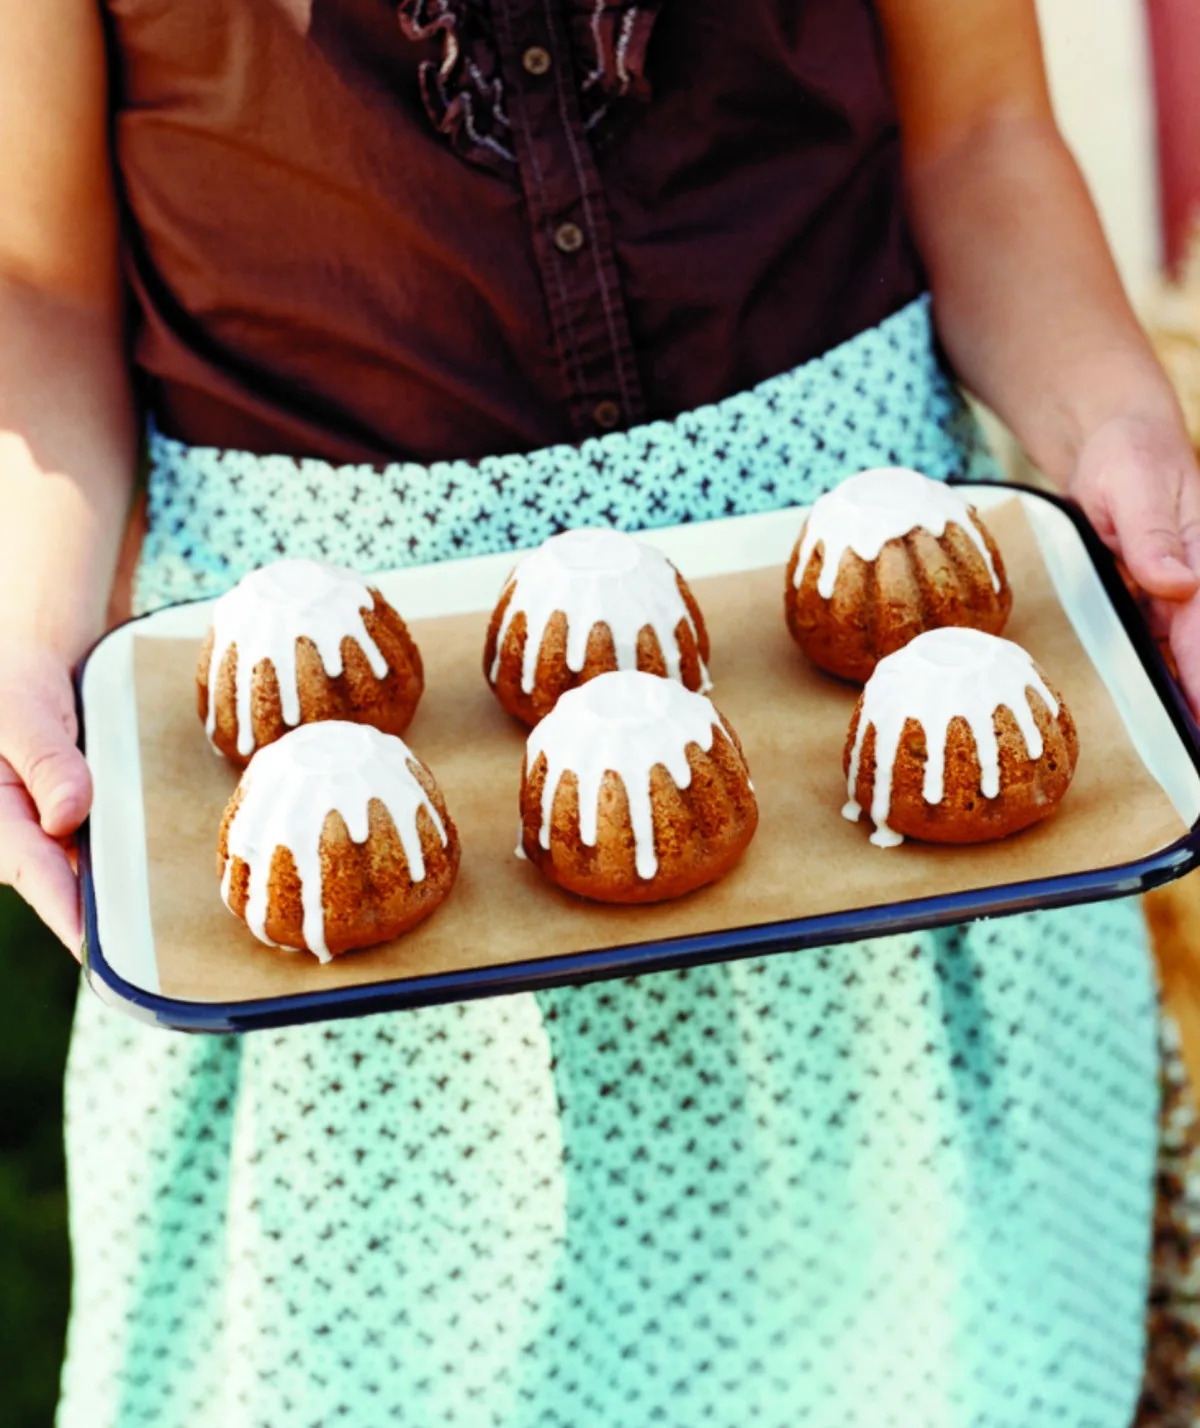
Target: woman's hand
(45,787)
(1136,479)
(68,427)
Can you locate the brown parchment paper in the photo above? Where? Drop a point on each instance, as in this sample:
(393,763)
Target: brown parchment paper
(805,860)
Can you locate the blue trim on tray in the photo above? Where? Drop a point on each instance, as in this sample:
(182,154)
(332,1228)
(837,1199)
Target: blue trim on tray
(540,973)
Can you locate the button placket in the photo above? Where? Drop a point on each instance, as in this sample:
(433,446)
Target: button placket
(571,232)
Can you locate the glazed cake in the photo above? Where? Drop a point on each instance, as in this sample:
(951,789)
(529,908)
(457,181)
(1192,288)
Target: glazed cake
(957,738)
(296,642)
(881,558)
(634,790)
(337,837)
(585,603)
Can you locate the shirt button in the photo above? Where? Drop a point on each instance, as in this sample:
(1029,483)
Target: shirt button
(568,238)
(606,415)
(536,60)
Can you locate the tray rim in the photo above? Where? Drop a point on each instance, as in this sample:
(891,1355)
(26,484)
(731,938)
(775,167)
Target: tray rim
(697,949)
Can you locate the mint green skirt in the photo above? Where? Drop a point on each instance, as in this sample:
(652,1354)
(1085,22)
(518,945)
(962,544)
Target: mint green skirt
(906,1181)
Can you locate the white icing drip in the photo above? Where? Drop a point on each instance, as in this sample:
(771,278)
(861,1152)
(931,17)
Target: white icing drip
(866,511)
(939,676)
(292,786)
(264,615)
(593,576)
(625,722)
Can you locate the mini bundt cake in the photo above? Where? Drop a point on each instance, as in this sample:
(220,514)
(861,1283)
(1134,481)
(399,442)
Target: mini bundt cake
(634,790)
(584,603)
(882,557)
(298,641)
(337,837)
(957,738)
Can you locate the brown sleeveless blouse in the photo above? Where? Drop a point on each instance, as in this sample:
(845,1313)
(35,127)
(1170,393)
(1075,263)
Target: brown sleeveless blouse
(377,229)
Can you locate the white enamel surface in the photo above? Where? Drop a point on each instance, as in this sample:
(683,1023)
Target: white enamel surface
(459,587)
(874,507)
(292,786)
(595,575)
(940,676)
(624,722)
(266,613)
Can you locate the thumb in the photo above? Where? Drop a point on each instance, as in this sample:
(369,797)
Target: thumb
(1147,521)
(38,741)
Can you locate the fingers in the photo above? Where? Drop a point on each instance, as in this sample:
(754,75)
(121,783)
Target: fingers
(1149,524)
(38,741)
(1185,646)
(1138,482)
(1160,616)
(36,866)
(1189,522)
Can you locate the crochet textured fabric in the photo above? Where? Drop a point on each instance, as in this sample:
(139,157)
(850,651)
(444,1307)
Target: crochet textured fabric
(899,1182)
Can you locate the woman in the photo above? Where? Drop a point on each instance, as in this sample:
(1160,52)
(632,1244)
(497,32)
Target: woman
(907,1181)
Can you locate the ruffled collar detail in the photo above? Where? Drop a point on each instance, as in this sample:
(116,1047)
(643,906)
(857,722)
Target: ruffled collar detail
(463,88)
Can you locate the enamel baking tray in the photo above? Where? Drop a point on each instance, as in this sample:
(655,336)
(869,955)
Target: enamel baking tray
(119,953)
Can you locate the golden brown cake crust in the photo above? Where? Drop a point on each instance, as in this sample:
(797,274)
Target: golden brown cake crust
(1030,789)
(368,894)
(355,695)
(917,583)
(700,832)
(553,678)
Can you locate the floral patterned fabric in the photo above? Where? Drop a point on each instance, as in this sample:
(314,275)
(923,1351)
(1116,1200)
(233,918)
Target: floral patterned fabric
(1171,1393)
(907,1181)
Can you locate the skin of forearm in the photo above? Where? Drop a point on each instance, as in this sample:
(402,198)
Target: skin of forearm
(67,464)
(1028,302)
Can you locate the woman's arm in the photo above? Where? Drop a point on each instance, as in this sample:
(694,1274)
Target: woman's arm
(67,432)
(1027,299)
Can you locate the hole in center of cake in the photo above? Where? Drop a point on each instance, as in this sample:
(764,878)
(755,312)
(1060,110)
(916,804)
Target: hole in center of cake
(332,746)
(295,582)
(630,697)
(957,647)
(896,489)
(597,552)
